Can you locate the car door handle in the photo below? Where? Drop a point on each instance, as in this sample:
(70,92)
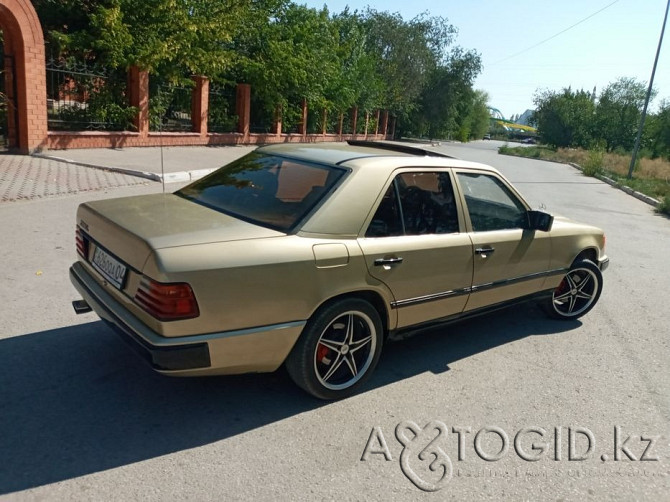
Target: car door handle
(379,262)
(484,251)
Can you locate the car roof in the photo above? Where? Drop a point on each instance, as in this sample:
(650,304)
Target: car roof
(365,155)
(339,153)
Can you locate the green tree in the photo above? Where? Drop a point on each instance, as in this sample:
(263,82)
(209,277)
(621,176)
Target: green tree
(657,131)
(447,98)
(356,82)
(405,54)
(618,113)
(479,115)
(287,52)
(173,38)
(565,118)
(290,58)
(67,26)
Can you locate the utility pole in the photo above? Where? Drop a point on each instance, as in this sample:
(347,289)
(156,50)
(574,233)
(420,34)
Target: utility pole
(646,101)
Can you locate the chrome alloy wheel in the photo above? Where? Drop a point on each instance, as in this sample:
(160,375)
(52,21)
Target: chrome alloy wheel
(577,292)
(345,350)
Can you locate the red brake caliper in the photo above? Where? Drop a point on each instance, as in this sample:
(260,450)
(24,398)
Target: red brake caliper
(321,353)
(562,287)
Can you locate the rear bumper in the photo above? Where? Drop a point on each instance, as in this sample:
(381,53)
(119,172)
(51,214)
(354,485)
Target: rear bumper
(260,349)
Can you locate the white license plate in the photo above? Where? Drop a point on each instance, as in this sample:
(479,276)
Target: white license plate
(110,268)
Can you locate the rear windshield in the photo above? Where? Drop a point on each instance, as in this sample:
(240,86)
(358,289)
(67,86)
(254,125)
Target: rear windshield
(265,189)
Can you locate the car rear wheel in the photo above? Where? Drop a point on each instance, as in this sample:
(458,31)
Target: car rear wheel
(338,350)
(577,293)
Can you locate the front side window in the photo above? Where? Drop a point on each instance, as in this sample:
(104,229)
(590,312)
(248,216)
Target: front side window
(264,189)
(491,205)
(416,203)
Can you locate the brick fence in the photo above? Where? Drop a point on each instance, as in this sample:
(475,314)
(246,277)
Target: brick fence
(138,94)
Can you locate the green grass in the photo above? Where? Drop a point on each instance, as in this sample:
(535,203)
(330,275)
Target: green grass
(651,178)
(654,188)
(531,152)
(664,206)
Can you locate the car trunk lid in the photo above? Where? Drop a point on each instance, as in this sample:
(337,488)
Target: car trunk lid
(131,227)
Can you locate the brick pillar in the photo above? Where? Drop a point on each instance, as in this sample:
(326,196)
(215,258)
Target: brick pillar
(385,123)
(324,121)
(243,108)
(277,120)
(26,79)
(377,123)
(302,128)
(354,119)
(200,104)
(138,96)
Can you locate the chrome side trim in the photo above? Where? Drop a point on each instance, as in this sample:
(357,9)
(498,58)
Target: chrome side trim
(417,328)
(475,289)
(514,280)
(430,298)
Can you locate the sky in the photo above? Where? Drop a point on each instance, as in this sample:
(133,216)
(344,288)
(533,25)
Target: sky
(619,41)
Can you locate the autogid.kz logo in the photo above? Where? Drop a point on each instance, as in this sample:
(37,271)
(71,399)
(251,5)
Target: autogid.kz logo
(421,443)
(425,461)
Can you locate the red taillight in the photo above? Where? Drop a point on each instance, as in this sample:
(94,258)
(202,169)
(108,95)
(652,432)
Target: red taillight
(82,243)
(167,302)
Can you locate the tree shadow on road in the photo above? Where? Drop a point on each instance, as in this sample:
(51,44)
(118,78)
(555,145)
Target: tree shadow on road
(76,401)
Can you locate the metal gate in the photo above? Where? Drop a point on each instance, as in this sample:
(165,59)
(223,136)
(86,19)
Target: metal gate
(8,108)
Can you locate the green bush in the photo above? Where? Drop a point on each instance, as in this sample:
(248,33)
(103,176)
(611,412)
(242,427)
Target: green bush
(664,206)
(532,152)
(594,162)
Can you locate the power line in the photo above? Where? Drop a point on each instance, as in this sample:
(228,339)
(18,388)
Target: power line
(555,35)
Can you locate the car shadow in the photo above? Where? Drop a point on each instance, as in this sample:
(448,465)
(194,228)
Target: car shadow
(433,350)
(75,401)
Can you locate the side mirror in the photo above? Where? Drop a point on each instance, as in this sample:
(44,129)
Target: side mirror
(538,220)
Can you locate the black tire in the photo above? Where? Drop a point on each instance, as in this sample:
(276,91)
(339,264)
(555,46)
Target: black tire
(577,293)
(352,331)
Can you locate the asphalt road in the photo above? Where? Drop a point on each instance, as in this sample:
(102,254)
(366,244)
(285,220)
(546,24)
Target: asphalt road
(81,418)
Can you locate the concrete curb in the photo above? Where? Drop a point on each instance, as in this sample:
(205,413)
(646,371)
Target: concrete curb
(182,176)
(638,195)
(426,142)
(130,172)
(177,177)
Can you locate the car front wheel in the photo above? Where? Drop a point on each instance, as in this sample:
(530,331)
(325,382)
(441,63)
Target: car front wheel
(577,293)
(338,350)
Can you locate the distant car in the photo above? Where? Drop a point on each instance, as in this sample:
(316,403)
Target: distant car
(314,255)
(529,141)
(487,136)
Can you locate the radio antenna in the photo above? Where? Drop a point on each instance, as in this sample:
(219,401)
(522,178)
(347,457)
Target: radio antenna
(160,143)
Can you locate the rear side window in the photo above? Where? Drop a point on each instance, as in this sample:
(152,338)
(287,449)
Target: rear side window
(264,189)
(416,203)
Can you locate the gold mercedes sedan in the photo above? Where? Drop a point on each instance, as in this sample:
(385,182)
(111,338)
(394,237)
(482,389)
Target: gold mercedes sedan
(315,255)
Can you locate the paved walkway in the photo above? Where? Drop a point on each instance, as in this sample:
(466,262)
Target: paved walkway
(24,178)
(60,172)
